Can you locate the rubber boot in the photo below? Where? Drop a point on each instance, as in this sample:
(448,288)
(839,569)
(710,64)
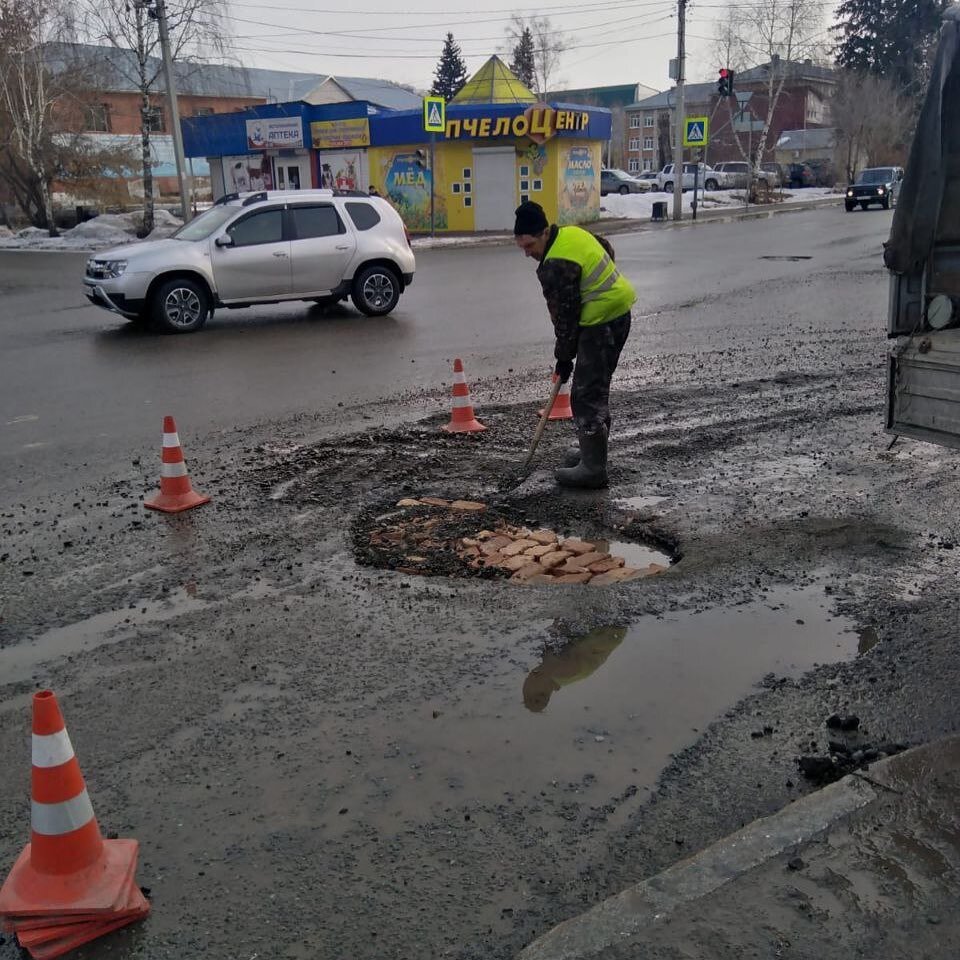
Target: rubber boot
(572,457)
(591,472)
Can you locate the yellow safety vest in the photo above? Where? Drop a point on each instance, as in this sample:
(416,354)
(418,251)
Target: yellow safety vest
(605,293)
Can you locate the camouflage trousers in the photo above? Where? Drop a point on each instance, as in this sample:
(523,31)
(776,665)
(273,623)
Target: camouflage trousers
(598,352)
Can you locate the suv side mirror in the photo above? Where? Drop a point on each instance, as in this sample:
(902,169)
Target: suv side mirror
(224,241)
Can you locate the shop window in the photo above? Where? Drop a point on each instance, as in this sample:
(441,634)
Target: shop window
(97,117)
(317,221)
(647,121)
(204,112)
(363,215)
(537,185)
(524,171)
(466,173)
(455,187)
(524,185)
(263,227)
(153,120)
(468,201)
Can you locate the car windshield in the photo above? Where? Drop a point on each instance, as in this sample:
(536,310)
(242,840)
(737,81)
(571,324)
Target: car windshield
(203,226)
(622,174)
(880,175)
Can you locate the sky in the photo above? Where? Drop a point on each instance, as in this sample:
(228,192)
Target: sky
(610,41)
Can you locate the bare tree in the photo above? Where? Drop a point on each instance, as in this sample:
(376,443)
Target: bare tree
(872,119)
(29,93)
(777,33)
(197,33)
(549,46)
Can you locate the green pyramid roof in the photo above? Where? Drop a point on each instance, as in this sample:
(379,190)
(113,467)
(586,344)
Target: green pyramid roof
(494,83)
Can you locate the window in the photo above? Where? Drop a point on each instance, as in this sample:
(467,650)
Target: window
(467,188)
(648,143)
(204,112)
(648,121)
(466,173)
(363,215)
(153,120)
(468,201)
(647,165)
(633,166)
(316,221)
(455,187)
(537,185)
(634,143)
(524,198)
(97,117)
(634,120)
(524,171)
(263,227)
(524,185)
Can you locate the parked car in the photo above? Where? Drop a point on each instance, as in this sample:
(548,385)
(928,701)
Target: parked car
(617,181)
(810,173)
(774,171)
(649,177)
(875,185)
(263,247)
(708,179)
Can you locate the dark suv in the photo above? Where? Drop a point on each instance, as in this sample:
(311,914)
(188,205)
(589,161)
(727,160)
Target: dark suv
(876,185)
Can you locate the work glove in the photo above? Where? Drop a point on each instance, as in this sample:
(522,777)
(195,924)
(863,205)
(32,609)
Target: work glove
(563,369)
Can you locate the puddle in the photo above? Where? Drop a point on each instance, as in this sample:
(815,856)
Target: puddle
(637,554)
(604,713)
(868,640)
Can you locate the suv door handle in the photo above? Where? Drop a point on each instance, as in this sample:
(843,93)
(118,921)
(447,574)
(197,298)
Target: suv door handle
(279,253)
(345,247)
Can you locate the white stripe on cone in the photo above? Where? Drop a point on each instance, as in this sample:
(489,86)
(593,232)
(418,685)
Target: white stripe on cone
(173,469)
(459,377)
(55,819)
(52,749)
(171,439)
(460,402)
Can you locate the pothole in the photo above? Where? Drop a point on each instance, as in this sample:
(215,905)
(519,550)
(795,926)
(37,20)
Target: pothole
(432,536)
(789,258)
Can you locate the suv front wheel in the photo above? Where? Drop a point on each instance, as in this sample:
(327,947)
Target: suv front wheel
(180,305)
(376,290)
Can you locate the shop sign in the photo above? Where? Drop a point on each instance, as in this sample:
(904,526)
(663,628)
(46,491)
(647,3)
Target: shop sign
(336,134)
(274,132)
(539,122)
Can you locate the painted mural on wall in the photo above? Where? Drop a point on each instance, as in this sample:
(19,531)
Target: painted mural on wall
(342,171)
(252,172)
(406,180)
(579,200)
(535,155)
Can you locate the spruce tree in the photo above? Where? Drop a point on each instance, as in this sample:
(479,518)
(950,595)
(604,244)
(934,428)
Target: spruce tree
(889,38)
(451,72)
(523,64)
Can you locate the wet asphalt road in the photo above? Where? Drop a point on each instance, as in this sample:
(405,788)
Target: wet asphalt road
(77,382)
(323,759)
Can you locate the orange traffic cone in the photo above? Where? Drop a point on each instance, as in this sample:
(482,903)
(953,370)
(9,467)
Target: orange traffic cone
(561,409)
(176,494)
(462,419)
(67,868)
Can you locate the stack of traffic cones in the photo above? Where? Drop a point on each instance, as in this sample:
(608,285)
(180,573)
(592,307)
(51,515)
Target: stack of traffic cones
(176,494)
(561,409)
(462,419)
(69,886)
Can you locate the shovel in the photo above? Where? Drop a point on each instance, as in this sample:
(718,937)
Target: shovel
(517,476)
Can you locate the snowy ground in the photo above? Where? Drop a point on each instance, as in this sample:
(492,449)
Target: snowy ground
(639,206)
(107,230)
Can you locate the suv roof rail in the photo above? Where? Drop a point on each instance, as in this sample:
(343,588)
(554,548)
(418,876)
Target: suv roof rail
(226,198)
(255,198)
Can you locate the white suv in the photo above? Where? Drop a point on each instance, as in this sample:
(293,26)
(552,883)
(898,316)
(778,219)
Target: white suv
(708,179)
(259,248)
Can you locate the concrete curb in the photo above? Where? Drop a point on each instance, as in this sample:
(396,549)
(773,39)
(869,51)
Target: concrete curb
(622,918)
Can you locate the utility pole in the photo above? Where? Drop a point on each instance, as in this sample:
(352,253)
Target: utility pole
(678,132)
(160,12)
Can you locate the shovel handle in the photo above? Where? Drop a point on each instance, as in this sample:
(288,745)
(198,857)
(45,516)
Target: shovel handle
(541,426)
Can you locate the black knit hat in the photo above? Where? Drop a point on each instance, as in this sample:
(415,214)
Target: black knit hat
(531,220)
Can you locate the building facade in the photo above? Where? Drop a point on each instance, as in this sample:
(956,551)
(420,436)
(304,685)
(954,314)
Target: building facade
(735,122)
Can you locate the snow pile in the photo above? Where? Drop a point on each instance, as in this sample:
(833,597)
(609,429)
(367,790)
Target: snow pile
(107,228)
(6,233)
(165,223)
(32,233)
(639,206)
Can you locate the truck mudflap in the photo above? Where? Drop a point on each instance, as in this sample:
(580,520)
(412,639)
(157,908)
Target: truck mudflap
(923,388)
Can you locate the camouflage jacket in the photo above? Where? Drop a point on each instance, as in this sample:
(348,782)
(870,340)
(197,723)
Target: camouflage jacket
(560,280)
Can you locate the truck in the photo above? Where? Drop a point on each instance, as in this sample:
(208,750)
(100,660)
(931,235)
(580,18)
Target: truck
(923,257)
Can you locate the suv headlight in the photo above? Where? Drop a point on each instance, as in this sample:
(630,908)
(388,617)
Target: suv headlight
(881,189)
(850,192)
(113,268)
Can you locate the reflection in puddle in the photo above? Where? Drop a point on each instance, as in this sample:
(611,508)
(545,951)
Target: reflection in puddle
(575,662)
(637,555)
(868,640)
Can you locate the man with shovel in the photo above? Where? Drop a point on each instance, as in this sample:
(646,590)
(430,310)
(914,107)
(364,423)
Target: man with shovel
(589,302)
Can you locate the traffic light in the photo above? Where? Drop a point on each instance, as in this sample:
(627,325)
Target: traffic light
(725,83)
(422,159)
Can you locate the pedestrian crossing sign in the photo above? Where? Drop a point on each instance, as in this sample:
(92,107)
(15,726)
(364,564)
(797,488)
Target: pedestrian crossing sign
(696,131)
(434,110)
